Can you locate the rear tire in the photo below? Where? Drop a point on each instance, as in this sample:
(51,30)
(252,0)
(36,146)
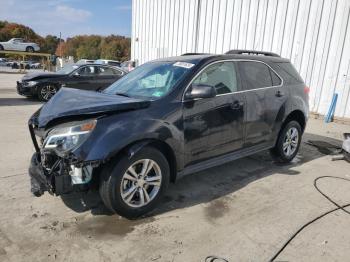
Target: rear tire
(46,92)
(134,193)
(30,49)
(288,143)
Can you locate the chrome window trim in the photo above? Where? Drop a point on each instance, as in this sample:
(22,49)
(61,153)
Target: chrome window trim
(236,92)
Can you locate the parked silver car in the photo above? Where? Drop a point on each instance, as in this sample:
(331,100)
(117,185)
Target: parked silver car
(18,44)
(108,62)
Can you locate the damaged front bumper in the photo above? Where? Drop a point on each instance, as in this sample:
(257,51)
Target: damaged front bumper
(38,180)
(62,178)
(55,172)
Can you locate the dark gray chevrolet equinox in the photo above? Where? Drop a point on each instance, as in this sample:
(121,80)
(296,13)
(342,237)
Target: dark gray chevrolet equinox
(166,119)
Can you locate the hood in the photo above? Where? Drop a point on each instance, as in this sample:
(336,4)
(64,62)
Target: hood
(69,102)
(37,76)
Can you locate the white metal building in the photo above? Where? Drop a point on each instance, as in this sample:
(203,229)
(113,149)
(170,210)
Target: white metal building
(313,34)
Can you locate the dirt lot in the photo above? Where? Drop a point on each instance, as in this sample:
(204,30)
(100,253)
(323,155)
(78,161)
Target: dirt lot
(242,211)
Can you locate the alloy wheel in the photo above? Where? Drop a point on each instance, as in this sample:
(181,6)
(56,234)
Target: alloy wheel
(291,141)
(141,183)
(47,92)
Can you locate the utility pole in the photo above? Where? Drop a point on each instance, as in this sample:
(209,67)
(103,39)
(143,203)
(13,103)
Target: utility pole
(60,45)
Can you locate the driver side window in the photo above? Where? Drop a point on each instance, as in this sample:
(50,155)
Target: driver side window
(88,71)
(222,76)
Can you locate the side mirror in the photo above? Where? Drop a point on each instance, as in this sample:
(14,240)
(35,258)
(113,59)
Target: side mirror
(200,91)
(76,74)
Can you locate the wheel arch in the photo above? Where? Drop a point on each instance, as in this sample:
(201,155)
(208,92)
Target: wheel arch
(29,46)
(47,82)
(296,115)
(160,145)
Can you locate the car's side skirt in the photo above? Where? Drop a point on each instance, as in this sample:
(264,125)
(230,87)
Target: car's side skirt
(220,160)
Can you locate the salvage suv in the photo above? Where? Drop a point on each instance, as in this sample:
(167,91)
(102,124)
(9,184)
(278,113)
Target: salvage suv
(165,119)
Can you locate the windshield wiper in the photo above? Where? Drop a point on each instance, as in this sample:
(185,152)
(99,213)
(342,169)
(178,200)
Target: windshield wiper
(122,94)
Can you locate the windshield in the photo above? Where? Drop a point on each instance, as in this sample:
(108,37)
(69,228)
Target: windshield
(152,80)
(67,69)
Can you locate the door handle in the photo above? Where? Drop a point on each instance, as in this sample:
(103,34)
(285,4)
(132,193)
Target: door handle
(279,93)
(236,105)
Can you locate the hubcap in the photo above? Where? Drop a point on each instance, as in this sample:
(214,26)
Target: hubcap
(141,183)
(47,92)
(291,141)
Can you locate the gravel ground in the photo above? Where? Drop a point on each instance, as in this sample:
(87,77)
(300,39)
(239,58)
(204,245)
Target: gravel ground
(242,211)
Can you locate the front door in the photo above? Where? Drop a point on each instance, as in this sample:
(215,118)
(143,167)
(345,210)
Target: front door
(84,78)
(214,126)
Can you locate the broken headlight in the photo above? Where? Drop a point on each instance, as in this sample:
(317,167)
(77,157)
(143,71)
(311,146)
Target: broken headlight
(69,136)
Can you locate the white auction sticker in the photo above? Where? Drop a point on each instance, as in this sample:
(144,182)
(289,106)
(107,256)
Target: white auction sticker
(184,65)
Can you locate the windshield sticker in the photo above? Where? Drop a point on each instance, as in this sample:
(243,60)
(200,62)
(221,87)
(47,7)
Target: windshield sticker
(184,65)
(157,94)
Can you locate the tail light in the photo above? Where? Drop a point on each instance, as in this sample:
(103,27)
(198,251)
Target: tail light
(306,90)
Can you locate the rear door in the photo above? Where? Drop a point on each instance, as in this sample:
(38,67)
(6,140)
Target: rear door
(214,126)
(265,98)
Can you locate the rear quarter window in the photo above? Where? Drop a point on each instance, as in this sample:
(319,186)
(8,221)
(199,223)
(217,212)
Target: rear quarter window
(288,73)
(258,75)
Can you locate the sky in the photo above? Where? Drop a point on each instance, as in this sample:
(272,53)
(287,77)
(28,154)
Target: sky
(71,17)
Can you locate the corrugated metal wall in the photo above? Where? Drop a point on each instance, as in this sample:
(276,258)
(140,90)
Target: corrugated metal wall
(313,34)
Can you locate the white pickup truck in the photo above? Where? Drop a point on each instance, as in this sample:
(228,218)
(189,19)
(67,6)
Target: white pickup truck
(18,44)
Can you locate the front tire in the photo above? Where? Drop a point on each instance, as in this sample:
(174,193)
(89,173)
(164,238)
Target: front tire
(288,143)
(30,49)
(132,187)
(47,91)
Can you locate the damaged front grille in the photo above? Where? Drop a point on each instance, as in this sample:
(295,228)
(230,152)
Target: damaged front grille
(48,160)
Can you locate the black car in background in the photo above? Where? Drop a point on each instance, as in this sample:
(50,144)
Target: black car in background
(165,119)
(81,76)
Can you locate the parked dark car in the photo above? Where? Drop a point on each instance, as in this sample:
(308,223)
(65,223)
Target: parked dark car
(83,76)
(14,65)
(165,119)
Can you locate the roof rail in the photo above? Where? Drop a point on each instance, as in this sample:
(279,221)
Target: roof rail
(250,52)
(185,54)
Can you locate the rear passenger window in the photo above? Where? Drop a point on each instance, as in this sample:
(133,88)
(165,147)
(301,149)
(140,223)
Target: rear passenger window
(256,74)
(222,76)
(107,71)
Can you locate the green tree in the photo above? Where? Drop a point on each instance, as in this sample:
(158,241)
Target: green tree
(50,44)
(95,47)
